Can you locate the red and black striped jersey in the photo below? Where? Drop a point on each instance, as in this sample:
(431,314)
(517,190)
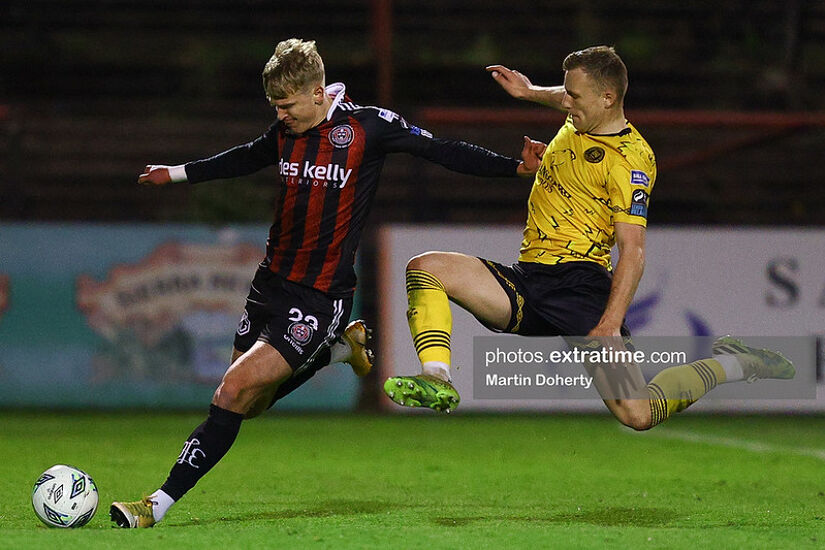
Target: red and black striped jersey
(329,177)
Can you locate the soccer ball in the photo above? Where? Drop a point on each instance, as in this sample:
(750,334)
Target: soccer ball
(64,496)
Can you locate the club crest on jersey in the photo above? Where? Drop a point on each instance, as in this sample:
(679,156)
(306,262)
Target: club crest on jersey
(341,136)
(300,332)
(594,155)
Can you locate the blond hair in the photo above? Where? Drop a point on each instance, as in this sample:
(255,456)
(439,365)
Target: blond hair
(295,66)
(603,65)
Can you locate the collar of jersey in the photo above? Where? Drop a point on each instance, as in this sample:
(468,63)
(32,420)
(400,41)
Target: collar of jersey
(622,132)
(337,91)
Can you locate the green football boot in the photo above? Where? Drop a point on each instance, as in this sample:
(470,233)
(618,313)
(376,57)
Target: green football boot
(756,363)
(422,390)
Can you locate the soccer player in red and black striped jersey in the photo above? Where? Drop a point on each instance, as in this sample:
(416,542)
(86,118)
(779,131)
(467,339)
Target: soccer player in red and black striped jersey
(329,153)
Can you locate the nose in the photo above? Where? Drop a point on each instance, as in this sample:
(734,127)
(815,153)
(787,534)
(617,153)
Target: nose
(281,114)
(565,102)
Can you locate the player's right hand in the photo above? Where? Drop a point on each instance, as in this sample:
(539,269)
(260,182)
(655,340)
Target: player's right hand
(155,174)
(513,82)
(532,152)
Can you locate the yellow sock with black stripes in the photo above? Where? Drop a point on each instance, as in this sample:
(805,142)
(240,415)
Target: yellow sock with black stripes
(430,320)
(677,388)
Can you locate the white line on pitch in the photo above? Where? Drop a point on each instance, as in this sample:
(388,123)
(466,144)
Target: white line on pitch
(753,446)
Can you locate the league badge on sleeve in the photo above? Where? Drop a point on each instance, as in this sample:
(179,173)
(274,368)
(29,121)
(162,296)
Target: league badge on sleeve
(637,177)
(387,115)
(638,207)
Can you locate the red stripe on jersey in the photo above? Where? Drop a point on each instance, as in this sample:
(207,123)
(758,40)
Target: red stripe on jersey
(286,214)
(315,208)
(345,204)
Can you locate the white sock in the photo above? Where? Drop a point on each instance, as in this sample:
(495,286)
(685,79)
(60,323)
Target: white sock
(733,370)
(339,351)
(437,368)
(161,504)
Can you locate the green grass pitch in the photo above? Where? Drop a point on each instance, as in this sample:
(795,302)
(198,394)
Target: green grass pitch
(425,481)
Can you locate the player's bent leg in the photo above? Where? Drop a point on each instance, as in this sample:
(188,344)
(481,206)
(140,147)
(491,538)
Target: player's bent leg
(623,392)
(433,279)
(468,283)
(677,388)
(622,388)
(253,378)
(633,413)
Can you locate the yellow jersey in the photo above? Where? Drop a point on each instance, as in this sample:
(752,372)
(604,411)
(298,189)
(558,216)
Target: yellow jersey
(585,184)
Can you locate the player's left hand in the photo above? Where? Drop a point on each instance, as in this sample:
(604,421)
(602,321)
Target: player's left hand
(513,82)
(531,153)
(155,174)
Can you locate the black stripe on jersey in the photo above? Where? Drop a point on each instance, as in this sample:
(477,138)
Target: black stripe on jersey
(275,230)
(344,271)
(299,214)
(329,217)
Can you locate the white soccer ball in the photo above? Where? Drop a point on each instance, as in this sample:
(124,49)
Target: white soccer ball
(64,496)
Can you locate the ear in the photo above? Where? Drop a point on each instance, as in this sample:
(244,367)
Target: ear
(608,98)
(318,94)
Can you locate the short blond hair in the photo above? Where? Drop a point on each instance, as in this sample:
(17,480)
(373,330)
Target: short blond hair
(295,66)
(603,65)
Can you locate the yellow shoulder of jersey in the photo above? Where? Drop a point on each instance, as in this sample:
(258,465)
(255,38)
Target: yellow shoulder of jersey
(638,153)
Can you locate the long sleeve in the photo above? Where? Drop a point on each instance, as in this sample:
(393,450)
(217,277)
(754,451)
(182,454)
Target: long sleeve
(238,161)
(459,156)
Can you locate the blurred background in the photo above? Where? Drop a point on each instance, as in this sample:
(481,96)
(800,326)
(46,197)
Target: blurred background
(113,294)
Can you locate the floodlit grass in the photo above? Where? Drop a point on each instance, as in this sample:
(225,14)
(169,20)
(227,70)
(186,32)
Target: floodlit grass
(338,481)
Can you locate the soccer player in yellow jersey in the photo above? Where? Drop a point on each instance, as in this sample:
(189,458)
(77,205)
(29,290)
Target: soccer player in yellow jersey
(591,191)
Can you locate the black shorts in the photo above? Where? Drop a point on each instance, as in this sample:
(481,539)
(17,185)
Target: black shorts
(566,299)
(298,321)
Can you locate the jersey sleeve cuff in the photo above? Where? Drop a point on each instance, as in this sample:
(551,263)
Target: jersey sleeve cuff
(178,173)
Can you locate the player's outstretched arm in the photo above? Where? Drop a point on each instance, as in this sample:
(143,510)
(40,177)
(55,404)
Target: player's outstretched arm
(396,135)
(520,87)
(241,160)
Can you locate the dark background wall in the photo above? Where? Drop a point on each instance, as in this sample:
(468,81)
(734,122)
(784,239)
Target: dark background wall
(90,91)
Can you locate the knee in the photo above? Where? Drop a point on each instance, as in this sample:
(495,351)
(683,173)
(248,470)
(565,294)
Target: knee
(232,394)
(634,414)
(431,262)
